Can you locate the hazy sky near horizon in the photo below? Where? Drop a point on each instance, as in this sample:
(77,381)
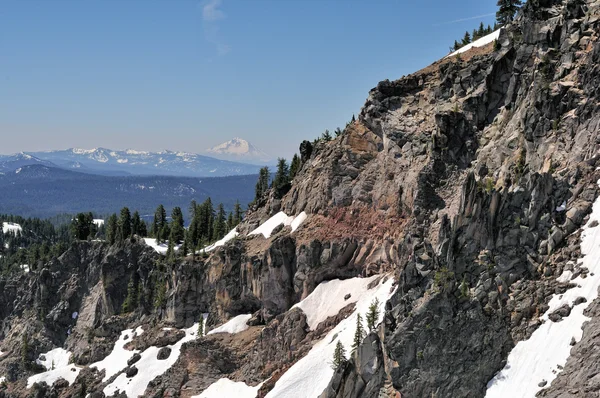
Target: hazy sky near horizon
(187,75)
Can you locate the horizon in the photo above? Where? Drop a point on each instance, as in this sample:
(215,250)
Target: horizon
(181,75)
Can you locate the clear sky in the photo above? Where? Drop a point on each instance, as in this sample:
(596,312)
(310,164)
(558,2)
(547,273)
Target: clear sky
(186,75)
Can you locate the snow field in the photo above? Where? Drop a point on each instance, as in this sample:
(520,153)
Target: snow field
(117,359)
(310,375)
(234,325)
(545,353)
(11,227)
(149,367)
(266,229)
(56,362)
(162,248)
(478,43)
(232,234)
(226,388)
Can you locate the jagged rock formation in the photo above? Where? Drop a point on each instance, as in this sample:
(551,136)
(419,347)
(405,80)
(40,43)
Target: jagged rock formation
(468,180)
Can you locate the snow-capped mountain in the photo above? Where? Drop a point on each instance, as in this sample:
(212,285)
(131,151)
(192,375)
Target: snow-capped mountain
(108,161)
(13,162)
(238,149)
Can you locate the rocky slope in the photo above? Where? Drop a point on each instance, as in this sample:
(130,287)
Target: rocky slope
(467,182)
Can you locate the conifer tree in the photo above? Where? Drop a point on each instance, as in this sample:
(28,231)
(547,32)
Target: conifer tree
(177,231)
(326,136)
(456,46)
(111,229)
(159,223)
(131,300)
(481,30)
(466,39)
(474,35)
(219,223)
(230,224)
(359,333)
(339,356)
(507,10)
(125,223)
(262,185)
(295,165)
(237,213)
(373,315)
(136,223)
(282,178)
(338,131)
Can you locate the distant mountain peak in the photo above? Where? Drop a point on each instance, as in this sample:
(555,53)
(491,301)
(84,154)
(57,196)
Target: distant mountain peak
(239,149)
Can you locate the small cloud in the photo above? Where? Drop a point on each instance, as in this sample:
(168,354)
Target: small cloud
(211,12)
(466,19)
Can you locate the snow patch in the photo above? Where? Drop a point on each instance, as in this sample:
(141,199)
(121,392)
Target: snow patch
(232,234)
(162,248)
(227,388)
(310,375)
(11,227)
(328,298)
(478,43)
(266,229)
(234,325)
(531,361)
(98,222)
(25,268)
(117,359)
(149,368)
(57,364)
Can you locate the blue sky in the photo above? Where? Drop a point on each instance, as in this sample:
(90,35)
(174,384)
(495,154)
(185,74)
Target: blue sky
(186,75)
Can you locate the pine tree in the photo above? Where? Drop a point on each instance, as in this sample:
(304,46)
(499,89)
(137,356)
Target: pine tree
(83,226)
(237,213)
(466,39)
(111,229)
(136,223)
(281,179)
(201,326)
(159,223)
(262,185)
(131,300)
(177,231)
(359,334)
(457,45)
(373,315)
(339,356)
(474,35)
(219,223)
(507,10)
(170,252)
(481,30)
(338,131)
(230,224)
(326,136)
(353,119)
(125,223)
(295,165)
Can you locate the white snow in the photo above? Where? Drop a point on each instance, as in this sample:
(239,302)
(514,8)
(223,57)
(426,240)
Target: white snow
(545,353)
(162,248)
(117,359)
(232,234)
(56,362)
(2,379)
(11,227)
(478,43)
(99,222)
(149,368)
(223,388)
(328,298)
(562,207)
(25,268)
(234,325)
(311,374)
(266,229)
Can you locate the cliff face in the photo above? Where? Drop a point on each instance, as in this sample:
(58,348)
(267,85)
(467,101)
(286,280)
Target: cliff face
(468,182)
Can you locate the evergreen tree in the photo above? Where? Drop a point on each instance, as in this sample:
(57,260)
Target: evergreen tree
(326,136)
(338,131)
(373,315)
(295,165)
(159,223)
(353,118)
(282,178)
(339,356)
(456,46)
(237,213)
(262,185)
(125,223)
(83,226)
(359,334)
(507,10)
(466,39)
(111,229)
(230,224)
(201,326)
(219,223)
(170,252)
(136,223)
(177,231)
(481,30)
(131,300)
(474,35)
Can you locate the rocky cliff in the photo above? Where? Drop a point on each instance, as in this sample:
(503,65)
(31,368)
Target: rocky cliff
(467,182)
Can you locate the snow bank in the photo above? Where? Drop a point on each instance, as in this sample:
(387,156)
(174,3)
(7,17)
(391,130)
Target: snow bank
(545,354)
(478,43)
(11,227)
(56,362)
(226,388)
(2,379)
(162,248)
(149,368)
(117,359)
(232,234)
(266,229)
(311,374)
(234,325)
(25,268)
(98,222)
(328,298)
